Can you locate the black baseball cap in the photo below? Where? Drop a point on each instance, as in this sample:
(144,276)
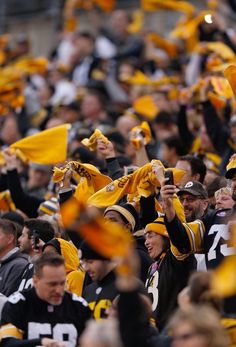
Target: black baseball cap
(194,188)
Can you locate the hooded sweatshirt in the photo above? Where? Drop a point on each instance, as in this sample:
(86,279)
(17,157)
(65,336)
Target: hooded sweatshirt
(74,272)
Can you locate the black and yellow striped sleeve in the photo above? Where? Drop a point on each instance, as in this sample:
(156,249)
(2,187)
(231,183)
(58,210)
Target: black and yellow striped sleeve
(9,330)
(185,238)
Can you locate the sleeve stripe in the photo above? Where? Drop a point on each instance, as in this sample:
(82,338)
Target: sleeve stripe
(191,236)
(10,330)
(200,228)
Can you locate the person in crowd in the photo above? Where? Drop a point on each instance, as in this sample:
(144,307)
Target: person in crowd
(34,235)
(169,273)
(51,316)
(12,260)
(102,291)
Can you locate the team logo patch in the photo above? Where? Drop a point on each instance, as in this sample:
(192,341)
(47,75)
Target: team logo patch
(110,187)
(188,185)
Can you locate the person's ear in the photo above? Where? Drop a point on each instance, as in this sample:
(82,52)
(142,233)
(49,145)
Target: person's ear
(129,226)
(196,177)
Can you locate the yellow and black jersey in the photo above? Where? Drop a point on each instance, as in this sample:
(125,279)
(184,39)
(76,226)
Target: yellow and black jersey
(210,236)
(26,317)
(167,276)
(100,295)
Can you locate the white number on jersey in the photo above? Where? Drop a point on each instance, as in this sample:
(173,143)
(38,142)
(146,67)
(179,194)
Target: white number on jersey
(58,332)
(153,289)
(222,232)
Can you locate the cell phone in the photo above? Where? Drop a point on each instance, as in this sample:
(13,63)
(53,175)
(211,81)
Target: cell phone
(169,175)
(36,239)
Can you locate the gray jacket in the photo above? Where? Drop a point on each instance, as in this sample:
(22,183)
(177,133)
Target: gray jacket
(11,269)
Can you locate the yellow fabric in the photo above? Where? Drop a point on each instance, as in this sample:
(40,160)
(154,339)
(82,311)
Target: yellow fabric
(196,145)
(137,22)
(195,231)
(75,275)
(107,238)
(220,49)
(231,165)
(141,134)
(139,78)
(157,226)
(212,161)
(182,6)
(224,277)
(32,65)
(221,86)
(141,182)
(70,254)
(91,142)
(179,210)
(230,326)
(75,281)
(217,101)
(169,47)
(146,106)
(9,330)
(89,178)
(69,211)
(6,203)
(47,147)
(188,29)
(230,74)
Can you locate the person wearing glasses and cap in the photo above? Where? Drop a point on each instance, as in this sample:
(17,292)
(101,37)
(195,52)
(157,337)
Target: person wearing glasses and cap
(210,234)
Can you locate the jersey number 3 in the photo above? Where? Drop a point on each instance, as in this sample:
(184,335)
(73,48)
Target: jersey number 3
(153,289)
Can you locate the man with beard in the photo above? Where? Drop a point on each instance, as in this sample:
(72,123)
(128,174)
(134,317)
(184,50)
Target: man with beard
(193,197)
(210,235)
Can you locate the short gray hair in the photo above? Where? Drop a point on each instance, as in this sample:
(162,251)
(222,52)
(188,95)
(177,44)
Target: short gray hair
(105,332)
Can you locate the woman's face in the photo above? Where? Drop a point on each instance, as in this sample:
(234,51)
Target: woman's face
(184,335)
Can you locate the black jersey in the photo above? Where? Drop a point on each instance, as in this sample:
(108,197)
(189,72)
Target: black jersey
(25,316)
(210,236)
(166,278)
(27,278)
(216,237)
(100,295)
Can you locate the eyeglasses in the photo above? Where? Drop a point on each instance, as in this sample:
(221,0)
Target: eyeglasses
(185,336)
(189,199)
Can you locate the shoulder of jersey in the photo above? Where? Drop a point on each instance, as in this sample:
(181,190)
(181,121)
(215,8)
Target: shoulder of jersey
(78,299)
(16,297)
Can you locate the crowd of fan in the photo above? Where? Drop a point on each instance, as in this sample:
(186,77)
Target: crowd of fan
(145,110)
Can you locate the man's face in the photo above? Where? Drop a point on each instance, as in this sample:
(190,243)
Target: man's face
(50,286)
(5,241)
(154,244)
(96,269)
(115,217)
(233,187)
(25,241)
(194,206)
